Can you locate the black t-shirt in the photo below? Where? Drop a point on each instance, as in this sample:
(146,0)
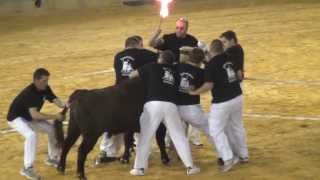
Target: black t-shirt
(161,82)
(190,78)
(131,59)
(30,97)
(236,56)
(173,43)
(221,72)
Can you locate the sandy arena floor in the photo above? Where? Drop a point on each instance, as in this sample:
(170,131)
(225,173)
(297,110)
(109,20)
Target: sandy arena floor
(282,100)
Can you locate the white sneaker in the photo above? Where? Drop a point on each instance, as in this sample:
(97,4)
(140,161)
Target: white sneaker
(229,164)
(193,170)
(137,172)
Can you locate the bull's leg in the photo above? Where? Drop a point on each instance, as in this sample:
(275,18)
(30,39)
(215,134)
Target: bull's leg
(128,144)
(73,134)
(160,136)
(85,147)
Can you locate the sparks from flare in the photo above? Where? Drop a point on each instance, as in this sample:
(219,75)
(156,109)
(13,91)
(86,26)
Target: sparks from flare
(164,11)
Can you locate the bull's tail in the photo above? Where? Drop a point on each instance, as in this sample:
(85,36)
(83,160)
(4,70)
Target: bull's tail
(58,129)
(58,125)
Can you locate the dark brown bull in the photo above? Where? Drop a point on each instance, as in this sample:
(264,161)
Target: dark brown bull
(115,109)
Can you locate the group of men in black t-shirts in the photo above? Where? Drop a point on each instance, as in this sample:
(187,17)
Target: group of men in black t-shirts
(175,77)
(174,84)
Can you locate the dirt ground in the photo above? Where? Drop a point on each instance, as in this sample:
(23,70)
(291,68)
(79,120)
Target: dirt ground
(281,40)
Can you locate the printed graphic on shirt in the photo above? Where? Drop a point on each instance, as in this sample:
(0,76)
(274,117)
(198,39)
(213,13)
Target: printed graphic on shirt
(126,65)
(185,82)
(228,66)
(168,76)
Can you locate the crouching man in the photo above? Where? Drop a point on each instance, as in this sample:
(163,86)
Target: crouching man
(25,117)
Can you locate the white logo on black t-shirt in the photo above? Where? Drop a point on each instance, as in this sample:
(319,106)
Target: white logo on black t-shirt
(185,82)
(168,76)
(228,66)
(126,65)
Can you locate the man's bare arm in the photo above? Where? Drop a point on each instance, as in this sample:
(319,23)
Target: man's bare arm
(36,115)
(204,88)
(58,102)
(155,41)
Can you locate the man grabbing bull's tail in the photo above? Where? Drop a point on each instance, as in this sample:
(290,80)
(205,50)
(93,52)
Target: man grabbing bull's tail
(24,116)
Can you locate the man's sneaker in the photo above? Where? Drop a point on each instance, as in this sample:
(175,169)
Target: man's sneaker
(243,159)
(193,170)
(30,173)
(137,172)
(52,162)
(229,164)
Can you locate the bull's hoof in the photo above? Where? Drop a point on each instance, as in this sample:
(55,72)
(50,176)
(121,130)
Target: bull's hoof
(81,177)
(165,160)
(103,160)
(124,160)
(61,169)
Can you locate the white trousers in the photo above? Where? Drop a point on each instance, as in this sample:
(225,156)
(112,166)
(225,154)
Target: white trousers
(29,129)
(111,145)
(194,115)
(227,130)
(154,112)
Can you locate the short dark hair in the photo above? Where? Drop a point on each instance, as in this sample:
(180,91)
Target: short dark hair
(197,55)
(167,56)
(38,73)
(131,41)
(230,35)
(216,45)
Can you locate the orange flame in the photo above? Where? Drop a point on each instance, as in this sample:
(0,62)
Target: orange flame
(164,11)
